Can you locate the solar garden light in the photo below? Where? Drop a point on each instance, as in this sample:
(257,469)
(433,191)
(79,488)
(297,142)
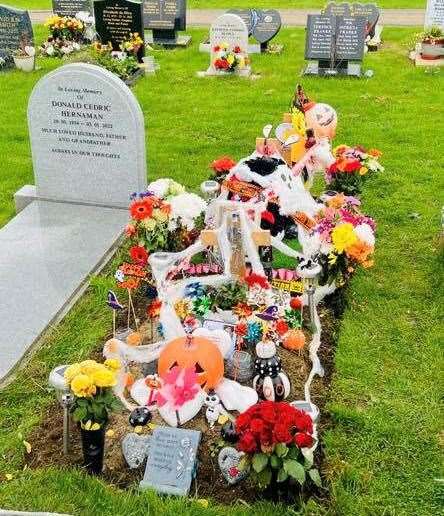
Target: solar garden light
(65,398)
(210,189)
(309,271)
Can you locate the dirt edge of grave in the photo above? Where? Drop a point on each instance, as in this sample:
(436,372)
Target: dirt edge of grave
(46,438)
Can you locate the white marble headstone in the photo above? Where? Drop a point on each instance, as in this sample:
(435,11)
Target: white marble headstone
(87,137)
(230,29)
(434,15)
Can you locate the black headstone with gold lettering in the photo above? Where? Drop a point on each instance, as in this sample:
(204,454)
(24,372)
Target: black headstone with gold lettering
(116,20)
(165,18)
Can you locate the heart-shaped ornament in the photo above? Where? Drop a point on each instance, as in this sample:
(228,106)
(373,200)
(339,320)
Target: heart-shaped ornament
(135,449)
(229,459)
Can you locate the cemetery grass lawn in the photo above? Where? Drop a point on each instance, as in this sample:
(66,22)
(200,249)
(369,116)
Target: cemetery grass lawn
(381,444)
(223,4)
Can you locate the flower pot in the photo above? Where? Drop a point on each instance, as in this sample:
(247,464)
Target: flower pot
(432,50)
(25,63)
(93,445)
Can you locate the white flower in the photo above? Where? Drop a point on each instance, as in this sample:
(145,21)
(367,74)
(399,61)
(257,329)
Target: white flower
(76,46)
(67,49)
(186,207)
(49,50)
(30,51)
(84,17)
(159,187)
(365,233)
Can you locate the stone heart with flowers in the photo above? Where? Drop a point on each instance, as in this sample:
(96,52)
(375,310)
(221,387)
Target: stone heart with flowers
(229,459)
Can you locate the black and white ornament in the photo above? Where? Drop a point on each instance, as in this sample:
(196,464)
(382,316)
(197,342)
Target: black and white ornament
(270,382)
(140,416)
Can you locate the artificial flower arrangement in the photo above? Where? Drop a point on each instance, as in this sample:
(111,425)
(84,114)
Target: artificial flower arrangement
(132,44)
(119,63)
(91,384)
(229,60)
(276,439)
(66,36)
(164,218)
(346,237)
(221,166)
(352,167)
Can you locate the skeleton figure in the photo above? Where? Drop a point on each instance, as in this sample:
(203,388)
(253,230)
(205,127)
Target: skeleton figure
(214,408)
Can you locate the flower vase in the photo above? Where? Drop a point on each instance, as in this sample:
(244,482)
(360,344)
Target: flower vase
(25,63)
(93,445)
(278,492)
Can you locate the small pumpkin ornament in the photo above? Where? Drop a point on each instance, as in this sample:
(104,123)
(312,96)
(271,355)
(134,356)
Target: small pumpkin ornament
(294,340)
(197,352)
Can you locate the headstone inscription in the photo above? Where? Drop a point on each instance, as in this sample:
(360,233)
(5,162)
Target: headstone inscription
(15,28)
(228,29)
(171,463)
(116,20)
(434,15)
(71,7)
(336,42)
(369,11)
(165,18)
(87,137)
(334,9)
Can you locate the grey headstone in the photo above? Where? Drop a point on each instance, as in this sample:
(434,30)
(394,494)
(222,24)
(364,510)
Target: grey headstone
(116,19)
(87,137)
(370,12)
(15,27)
(267,26)
(135,449)
(319,39)
(247,16)
(164,14)
(434,15)
(71,7)
(335,9)
(172,460)
(350,38)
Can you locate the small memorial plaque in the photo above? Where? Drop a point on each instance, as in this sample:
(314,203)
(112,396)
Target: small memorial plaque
(267,26)
(334,9)
(350,38)
(319,41)
(71,7)
(171,462)
(15,28)
(434,16)
(116,20)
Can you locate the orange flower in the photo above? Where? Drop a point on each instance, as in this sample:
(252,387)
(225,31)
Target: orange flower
(141,209)
(223,164)
(375,153)
(359,252)
(337,201)
(153,309)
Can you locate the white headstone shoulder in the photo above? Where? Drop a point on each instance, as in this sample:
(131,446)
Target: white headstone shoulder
(229,46)
(87,137)
(434,15)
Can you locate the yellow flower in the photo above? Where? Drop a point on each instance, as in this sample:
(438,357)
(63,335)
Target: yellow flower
(82,386)
(160,215)
(241,62)
(88,367)
(363,171)
(332,258)
(113,364)
(149,224)
(71,371)
(230,59)
(103,377)
(182,308)
(343,236)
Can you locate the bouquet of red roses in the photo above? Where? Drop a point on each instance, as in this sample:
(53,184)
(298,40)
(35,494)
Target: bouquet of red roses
(272,436)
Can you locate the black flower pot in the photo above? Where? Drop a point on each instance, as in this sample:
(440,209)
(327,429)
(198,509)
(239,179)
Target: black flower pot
(93,444)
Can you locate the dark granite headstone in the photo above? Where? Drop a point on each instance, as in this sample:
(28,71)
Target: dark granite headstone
(320,33)
(248,16)
(164,18)
(334,9)
(116,19)
(370,12)
(15,27)
(172,460)
(71,7)
(350,38)
(268,24)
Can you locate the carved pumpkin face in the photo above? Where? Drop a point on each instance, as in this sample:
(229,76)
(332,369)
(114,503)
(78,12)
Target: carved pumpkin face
(295,339)
(197,352)
(323,119)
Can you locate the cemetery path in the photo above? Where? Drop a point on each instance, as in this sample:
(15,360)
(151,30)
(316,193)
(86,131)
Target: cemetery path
(290,17)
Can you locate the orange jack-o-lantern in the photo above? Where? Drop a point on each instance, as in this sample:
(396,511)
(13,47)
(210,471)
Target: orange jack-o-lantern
(294,339)
(197,352)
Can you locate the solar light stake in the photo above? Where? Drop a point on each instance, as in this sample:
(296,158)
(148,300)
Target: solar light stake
(65,397)
(309,271)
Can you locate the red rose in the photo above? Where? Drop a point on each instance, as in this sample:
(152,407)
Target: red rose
(216,48)
(304,422)
(256,279)
(237,49)
(281,327)
(223,164)
(296,303)
(247,443)
(139,255)
(243,422)
(257,425)
(266,437)
(282,434)
(352,166)
(303,440)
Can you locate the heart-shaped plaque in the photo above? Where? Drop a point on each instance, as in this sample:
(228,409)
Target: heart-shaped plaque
(228,460)
(135,449)
(268,24)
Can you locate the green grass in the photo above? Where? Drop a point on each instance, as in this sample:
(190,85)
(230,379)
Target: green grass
(382,452)
(222,4)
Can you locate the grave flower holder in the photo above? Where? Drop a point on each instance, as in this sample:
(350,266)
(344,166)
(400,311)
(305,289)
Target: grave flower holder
(93,446)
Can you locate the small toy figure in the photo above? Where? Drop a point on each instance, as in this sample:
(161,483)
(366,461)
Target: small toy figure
(214,408)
